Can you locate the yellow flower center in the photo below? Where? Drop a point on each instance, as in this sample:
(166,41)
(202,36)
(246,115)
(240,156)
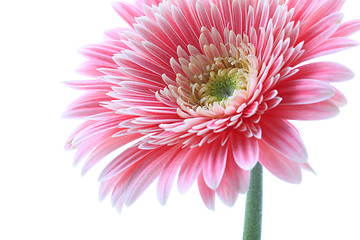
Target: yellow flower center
(217,81)
(225,76)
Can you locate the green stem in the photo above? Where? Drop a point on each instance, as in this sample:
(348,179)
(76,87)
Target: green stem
(253,209)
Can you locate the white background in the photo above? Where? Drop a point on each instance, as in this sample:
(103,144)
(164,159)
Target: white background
(44,197)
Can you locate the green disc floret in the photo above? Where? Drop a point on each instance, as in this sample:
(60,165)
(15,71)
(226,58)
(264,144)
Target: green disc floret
(222,88)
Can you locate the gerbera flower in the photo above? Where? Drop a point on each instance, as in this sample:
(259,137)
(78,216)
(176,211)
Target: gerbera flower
(207,89)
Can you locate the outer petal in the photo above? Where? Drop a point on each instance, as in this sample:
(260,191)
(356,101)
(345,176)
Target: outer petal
(331,45)
(305,91)
(168,174)
(190,169)
(127,11)
(321,31)
(338,99)
(279,165)
(70,141)
(315,111)
(87,105)
(149,2)
(90,144)
(245,150)
(324,71)
(226,193)
(106,147)
(207,194)
(282,136)
(347,28)
(238,178)
(146,172)
(322,10)
(93,84)
(123,161)
(306,166)
(214,163)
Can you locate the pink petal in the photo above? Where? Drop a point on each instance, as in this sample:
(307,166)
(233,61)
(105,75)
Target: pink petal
(190,169)
(307,167)
(149,36)
(282,136)
(225,8)
(122,161)
(168,174)
(96,128)
(325,71)
(146,172)
(203,16)
(87,105)
(188,10)
(158,53)
(107,147)
(262,12)
(90,144)
(322,10)
(245,150)
(226,193)
(113,36)
(315,111)
(89,85)
(131,60)
(338,99)
(90,68)
(331,45)
(142,76)
(185,28)
(302,8)
(100,57)
(304,91)
(139,86)
(106,187)
(156,30)
(127,11)
(347,28)
(70,145)
(119,185)
(83,112)
(279,165)
(238,178)
(237,18)
(149,2)
(217,19)
(214,163)
(321,31)
(207,194)
(171,31)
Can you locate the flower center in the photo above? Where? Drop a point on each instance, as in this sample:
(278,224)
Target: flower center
(225,77)
(216,81)
(219,88)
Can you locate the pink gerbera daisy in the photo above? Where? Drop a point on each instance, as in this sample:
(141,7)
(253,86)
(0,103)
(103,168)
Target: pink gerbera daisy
(208,87)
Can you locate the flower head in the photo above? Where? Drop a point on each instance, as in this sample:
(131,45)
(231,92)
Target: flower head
(207,89)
